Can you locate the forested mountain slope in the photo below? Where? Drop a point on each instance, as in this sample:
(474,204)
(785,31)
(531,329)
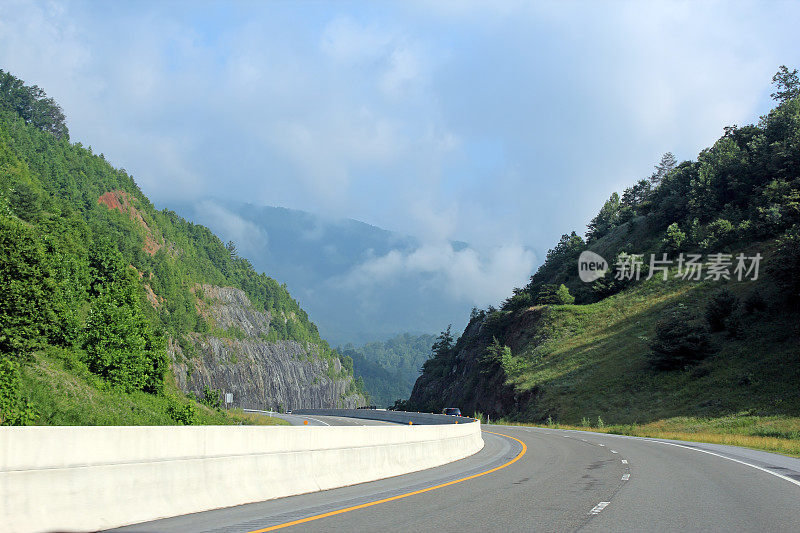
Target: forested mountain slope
(390,368)
(317,256)
(635,350)
(103,294)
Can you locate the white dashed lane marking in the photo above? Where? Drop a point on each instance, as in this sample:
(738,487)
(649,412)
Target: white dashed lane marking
(599,507)
(601,444)
(624,461)
(626,477)
(614,451)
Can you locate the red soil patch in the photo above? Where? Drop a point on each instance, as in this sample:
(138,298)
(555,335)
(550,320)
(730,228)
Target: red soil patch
(123,202)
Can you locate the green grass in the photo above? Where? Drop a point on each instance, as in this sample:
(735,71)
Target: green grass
(64,392)
(591,360)
(779,434)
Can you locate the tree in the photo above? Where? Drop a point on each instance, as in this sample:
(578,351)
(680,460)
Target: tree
(497,357)
(605,220)
(720,308)
(637,194)
(550,294)
(679,342)
(32,105)
(664,167)
(787,84)
(785,265)
(673,239)
(25,202)
(120,345)
(231,247)
(444,343)
(26,288)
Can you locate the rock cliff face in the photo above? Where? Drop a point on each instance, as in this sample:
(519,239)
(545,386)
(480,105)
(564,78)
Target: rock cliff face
(236,356)
(463,379)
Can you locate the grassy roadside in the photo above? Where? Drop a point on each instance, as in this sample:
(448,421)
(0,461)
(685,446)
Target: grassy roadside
(62,392)
(778,434)
(256,419)
(591,360)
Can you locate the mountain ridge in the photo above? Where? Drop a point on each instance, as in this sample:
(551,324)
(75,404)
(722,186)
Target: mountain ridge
(100,288)
(314,255)
(624,349)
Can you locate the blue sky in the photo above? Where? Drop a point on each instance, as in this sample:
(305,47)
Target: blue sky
(503,124)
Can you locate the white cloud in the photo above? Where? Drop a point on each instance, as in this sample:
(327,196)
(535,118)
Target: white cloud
(248,236)
(380,113)
(467,275)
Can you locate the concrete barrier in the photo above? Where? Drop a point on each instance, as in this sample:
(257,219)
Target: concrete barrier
(90,478)
(400,417)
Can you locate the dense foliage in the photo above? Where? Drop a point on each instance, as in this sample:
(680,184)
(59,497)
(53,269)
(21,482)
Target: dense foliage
(744,189)
(32,105)
(389,368)
(679,342)
(657,344)
(88,265)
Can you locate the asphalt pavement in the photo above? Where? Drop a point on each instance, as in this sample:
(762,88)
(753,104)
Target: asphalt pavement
(564,481)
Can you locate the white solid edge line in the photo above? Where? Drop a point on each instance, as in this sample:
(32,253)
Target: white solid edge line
(786,478)
(768,471)
(314,419)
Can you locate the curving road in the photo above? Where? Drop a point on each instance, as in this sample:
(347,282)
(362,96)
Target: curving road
(540,479)
(318,420)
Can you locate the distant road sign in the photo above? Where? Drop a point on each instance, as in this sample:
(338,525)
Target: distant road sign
(228,397)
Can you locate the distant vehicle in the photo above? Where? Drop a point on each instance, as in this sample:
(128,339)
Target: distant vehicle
(452,411)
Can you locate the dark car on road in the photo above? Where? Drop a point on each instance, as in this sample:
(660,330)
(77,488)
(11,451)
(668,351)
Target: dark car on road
(453,411)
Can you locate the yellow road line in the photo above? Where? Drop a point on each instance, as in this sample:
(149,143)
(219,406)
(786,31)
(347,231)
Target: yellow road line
(399,496)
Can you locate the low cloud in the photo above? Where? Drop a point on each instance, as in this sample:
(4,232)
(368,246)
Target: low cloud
(476,278)
(247,236)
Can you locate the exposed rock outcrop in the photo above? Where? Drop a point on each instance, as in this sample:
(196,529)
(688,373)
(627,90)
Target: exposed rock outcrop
(235,356)
(464,381)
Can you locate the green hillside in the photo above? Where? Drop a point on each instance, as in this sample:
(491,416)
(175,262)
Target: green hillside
(389,368)
(96,281)
(624,351)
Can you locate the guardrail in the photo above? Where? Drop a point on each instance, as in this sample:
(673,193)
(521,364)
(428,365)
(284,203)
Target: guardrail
(91,478)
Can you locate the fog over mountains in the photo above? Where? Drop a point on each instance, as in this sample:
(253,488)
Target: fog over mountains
(358,282)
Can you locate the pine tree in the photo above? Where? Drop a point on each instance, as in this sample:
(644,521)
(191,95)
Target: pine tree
(664,167)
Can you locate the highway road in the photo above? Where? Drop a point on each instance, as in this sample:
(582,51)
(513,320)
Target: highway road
(537,479)
(317,420)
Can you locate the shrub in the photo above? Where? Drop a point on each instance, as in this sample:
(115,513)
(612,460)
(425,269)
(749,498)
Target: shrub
(785,265)
(754,302)
(673,239)
(182,412)
(14,410)
(211,398)
(678,342)
(734,324)
(718,233)
(498,356)
(520,300)
(721,306)
(550,294)
(122,349)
